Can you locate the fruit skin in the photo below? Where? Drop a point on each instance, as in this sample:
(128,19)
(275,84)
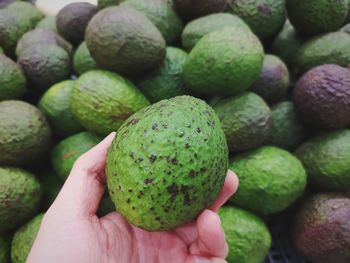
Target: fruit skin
(315,17)
(270,180)
(24,133)
(326,158)
(224,62)
(273,82)
(265,17)
(248,238)
(102,101)
(199,27)
(69,150)
(165,82)
(106,3)
(162,15)
(124,40)
(5,3)
(4,249)
(55,106)
(82,60)
(346,29)
(27,11)
(322,97)
(246,120)
(12,80)
(1,51)
(321,231)
(20,197)
(24,238)
(174,152)
(48,22)
(51,184)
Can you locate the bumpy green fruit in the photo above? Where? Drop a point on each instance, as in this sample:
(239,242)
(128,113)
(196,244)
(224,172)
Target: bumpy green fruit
(83,61)
(49,23)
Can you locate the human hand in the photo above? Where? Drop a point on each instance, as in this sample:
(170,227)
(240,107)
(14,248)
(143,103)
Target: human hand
(72,232)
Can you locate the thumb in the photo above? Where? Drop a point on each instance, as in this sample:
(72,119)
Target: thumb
(197,259)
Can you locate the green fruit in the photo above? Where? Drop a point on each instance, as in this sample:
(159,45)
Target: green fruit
(1,51)
(106,3)
(315,17)
(346,29)
(167,163)
(5,3)
(20,197)
(326,159)
(24,133)
(28,12)
(165,82)
(24,238)
(4,249)
(48,22)
(102,101)
(248,238)
(162,15)
(69,150)
(129,43)
(265,17)
(52,185)
(82,60)
(224,62)
(246,120)
(270,180)
(55,106)
(200,27)
(12,80)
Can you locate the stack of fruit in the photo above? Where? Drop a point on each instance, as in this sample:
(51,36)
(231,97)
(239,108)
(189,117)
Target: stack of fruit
(274,72)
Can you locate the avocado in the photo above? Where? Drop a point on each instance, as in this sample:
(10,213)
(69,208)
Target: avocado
(4,249)
(162,15)
(44,65)
(72,20)
(224,62)
(265,17)
(165,82)
(270,180)
(24,238)
(247,236)
(27,11)
(48,22)
(314,17)
(322,97)
(274,81)
(67,151)
(287,130)
(5,3)
(82,60)
(55,106)
(25,134)
(106,206)
(174,152)
(246,120)
(1,50)
(346,29)
(321,231)
(129,42)
(20,197)
(106,3)
(326,158)
(12,80)
(200,27)
(102,101)
(51,184)
(347,20)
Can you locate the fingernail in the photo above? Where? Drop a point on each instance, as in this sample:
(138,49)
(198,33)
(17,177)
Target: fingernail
(202,260)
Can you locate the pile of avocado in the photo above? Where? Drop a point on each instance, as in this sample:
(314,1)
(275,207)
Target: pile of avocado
(192,88)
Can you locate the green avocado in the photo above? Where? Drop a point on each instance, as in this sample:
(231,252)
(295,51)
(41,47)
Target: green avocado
(346,29)
(48,22)
(247,236)
(102,101)
(1,50)
(27,11)
(5,3)
(4,249)
(270,180)
(106,3)
(51,184)
(82,60)
(20,197)
(167,163)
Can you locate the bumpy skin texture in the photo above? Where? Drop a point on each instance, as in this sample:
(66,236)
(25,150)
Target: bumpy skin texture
(12,80)
(167,163)
(83,61)
(314,17)
(24,238)
(224,62)
(270,179)
(265,17)
(124,40)
(322,97)
(166,81)
(326,159)
(55,106)
(69,150)
(103,100)
(246,120)
(4,249)
(346,28)
(51,184)
(72,20)
(322,228)
(198,28)
(5,3)
(248,238)
(20,197)
(274,81)
(105,3)
(49,23)
(287,130)
(27,11)
(24,133)
(162,15)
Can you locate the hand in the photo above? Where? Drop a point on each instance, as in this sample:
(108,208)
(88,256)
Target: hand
(72,232)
